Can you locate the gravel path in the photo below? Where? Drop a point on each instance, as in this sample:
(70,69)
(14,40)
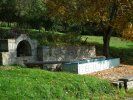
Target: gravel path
(115,73)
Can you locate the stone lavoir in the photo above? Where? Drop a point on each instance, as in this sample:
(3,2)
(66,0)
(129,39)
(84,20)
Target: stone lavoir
(22,49)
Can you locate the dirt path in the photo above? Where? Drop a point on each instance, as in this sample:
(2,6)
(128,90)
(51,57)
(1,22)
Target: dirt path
(115,73)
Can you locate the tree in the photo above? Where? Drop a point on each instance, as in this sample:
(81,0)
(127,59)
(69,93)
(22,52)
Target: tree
(110,15)
(22,11)
(31,12)
(7,10)
(128,32)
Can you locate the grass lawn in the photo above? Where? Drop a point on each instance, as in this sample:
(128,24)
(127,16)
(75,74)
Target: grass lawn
(34,84)
(118,47)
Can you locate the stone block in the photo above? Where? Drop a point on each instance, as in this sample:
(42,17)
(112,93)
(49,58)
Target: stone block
(129,84)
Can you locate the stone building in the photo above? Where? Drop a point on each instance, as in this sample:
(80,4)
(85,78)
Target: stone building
(19,48)
(15,50)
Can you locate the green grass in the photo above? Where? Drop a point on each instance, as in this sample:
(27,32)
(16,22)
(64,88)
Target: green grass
(118,47)
(34,84)
(129,93)
(130,90)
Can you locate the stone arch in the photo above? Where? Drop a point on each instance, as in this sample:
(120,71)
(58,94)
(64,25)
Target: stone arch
(24,49)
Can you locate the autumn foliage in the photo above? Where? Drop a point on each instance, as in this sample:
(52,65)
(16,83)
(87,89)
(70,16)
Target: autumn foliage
(128,32)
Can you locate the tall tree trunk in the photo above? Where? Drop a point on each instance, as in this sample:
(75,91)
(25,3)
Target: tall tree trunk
(107,33)
(106,41)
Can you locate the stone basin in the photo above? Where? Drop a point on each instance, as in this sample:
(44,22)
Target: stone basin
(86,66)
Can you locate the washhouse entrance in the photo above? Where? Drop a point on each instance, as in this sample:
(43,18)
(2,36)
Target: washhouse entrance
(24,49)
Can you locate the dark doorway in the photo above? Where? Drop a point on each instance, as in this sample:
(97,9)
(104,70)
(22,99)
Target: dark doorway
(0,58)
(24,49)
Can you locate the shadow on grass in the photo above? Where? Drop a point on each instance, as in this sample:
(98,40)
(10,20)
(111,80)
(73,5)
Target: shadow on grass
(125,54)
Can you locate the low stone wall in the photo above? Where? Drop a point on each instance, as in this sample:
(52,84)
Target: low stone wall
(8,58)
(69,53)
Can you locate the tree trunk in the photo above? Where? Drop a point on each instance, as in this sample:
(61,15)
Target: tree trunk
(107,33)
(106,41)
(8,24)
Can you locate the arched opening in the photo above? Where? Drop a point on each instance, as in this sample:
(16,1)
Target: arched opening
(24,49)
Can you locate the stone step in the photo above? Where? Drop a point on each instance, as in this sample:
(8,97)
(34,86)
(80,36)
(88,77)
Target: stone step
(130,85)
(118,84)
(126,82)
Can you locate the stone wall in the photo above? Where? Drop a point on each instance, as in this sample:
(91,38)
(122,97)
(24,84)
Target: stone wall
(8,53)
(69,53)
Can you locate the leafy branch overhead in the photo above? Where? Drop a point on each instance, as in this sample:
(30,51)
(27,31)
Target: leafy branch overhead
(83,11)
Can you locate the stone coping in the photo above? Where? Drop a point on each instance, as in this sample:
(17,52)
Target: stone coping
(127,79)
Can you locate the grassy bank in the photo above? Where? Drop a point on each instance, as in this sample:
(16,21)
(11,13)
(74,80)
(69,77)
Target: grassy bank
(35,84)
